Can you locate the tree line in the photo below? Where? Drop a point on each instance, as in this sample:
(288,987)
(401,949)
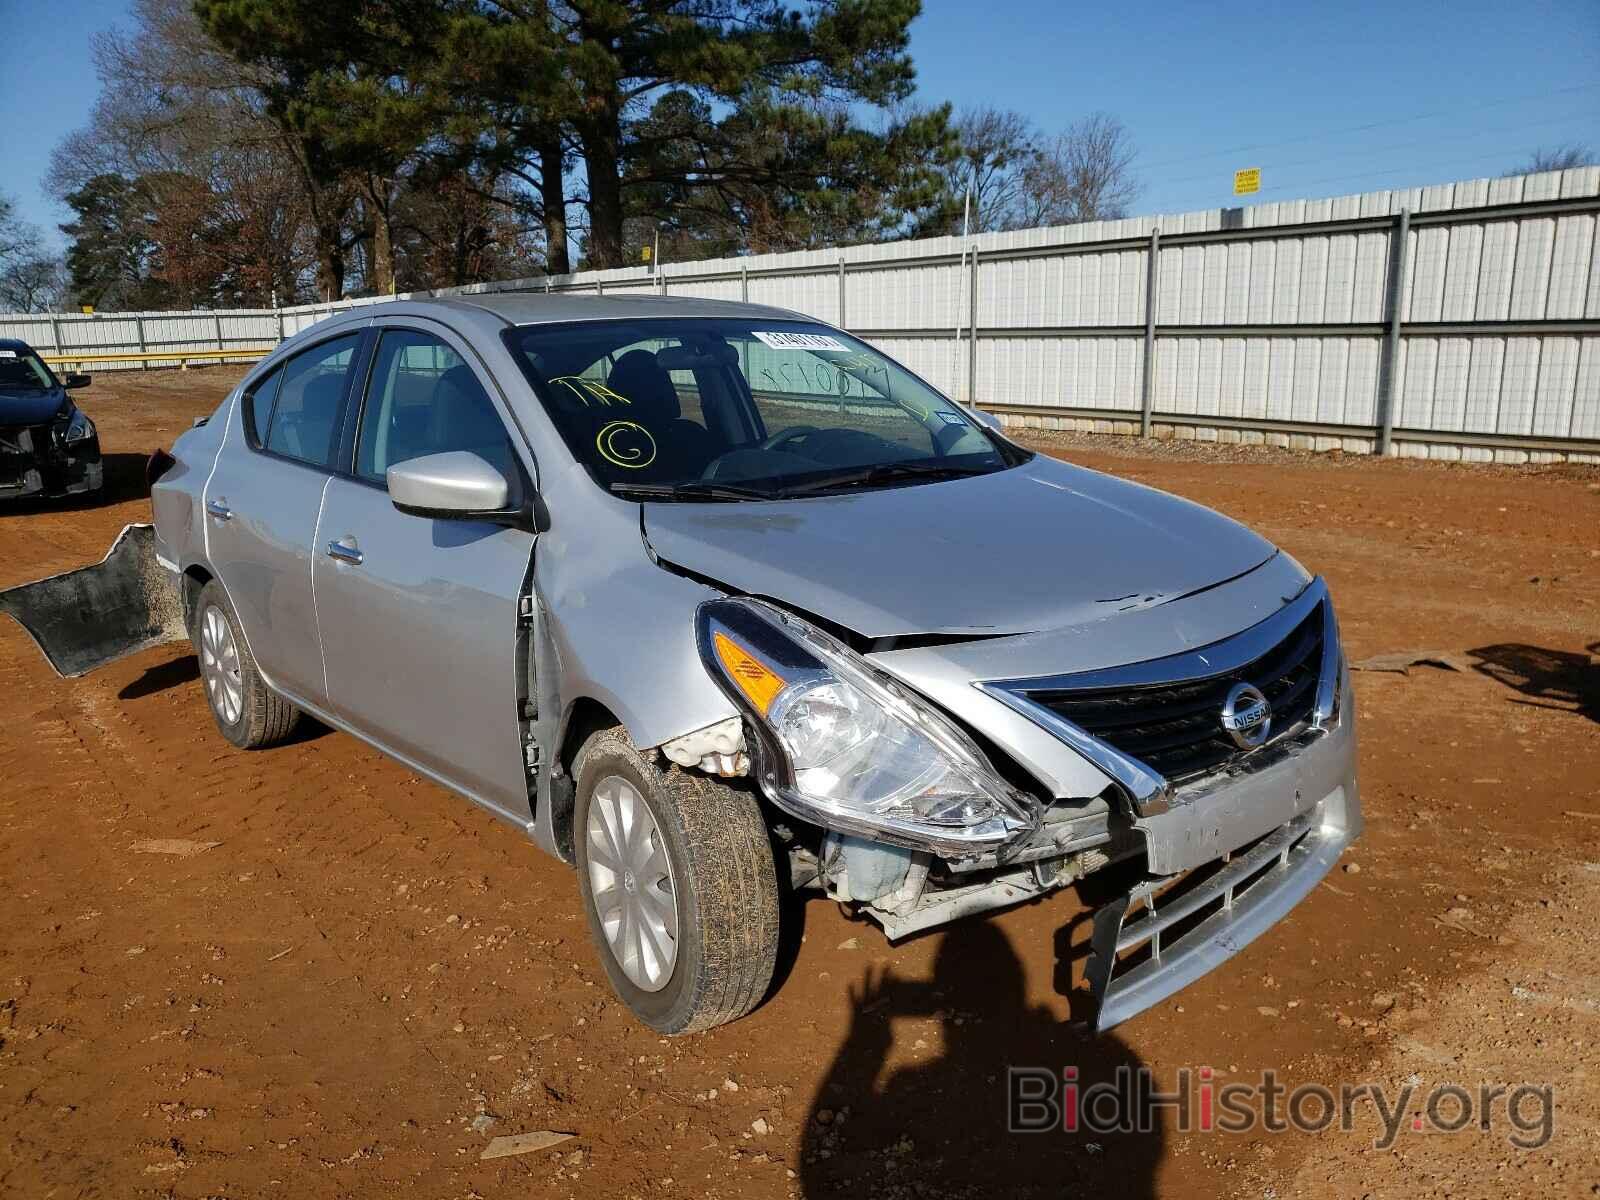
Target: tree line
(256,152)
(252,152)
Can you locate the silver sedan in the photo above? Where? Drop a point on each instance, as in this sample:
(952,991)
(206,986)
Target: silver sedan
(719,603)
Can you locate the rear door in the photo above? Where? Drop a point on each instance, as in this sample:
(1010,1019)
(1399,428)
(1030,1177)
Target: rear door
(262,502)
(419,616)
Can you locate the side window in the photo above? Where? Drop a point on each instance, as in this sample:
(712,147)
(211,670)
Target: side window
(258,403)
(305,418)
(422,398)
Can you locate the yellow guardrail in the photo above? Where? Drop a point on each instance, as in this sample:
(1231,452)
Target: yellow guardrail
(181,357)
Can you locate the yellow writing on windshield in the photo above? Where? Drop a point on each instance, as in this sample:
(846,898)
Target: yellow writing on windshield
(626,444)
(591,391)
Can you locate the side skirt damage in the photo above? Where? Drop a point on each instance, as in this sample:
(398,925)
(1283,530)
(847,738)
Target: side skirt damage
(95,615)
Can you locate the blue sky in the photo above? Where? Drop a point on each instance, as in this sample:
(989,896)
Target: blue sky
(1324,98)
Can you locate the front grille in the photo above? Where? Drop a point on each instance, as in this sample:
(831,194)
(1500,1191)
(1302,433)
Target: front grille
(25,440)
(16,455)
(1176,728)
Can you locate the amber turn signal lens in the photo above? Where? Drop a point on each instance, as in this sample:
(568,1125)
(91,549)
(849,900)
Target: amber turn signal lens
(752,677)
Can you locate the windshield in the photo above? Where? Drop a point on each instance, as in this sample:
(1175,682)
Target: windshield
(715,409)
(24,371)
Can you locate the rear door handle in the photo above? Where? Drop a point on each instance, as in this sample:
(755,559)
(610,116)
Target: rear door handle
(219,509)
(344,549)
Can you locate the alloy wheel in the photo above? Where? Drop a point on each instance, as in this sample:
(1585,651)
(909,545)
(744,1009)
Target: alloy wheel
(219,666)
(630,880)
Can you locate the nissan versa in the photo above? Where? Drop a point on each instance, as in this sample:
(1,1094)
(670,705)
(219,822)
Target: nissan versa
(715,601)
(48,445)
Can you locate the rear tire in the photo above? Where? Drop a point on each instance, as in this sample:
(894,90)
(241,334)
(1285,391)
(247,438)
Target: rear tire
(250,715)
(701,845)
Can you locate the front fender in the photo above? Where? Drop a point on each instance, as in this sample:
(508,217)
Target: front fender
(615,628)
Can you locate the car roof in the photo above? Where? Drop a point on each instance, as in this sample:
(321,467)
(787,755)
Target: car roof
(491,312)
(14,344)
(540,308)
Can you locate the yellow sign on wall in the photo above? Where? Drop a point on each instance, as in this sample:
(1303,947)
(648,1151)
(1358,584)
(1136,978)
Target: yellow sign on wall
(88,310)
(1247,181)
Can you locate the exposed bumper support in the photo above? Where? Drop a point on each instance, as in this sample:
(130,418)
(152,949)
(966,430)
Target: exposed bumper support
(95,615)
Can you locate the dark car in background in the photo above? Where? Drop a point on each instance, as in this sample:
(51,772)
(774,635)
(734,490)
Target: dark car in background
(48,445)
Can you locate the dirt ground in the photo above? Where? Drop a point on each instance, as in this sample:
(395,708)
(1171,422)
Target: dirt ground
(349,979)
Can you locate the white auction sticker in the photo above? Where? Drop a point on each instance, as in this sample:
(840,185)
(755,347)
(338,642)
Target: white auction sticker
(799,341)
(8,353)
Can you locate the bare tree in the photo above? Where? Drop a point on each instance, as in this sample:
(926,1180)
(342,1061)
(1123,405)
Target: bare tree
(1083,174)
(226,195)
(1557,158)
(30,277)
(35,284)
(995,146)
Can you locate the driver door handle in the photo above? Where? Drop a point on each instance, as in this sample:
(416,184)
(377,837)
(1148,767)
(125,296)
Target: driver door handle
(345,550)
(219,509)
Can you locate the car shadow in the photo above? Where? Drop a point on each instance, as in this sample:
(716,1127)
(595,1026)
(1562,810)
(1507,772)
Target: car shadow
(1548,678)
(173,673)
(937,1121)
(122,480)
(307,729)
(184,670)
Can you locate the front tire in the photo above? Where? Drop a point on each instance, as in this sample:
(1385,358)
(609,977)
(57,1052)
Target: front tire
(679,887)
(249,714)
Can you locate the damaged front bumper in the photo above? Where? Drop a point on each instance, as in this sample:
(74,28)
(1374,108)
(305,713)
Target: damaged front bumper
(1284,822)
(34,464)
(86,618)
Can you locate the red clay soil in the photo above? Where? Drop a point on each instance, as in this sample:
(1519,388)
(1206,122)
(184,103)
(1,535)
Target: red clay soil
(349,979)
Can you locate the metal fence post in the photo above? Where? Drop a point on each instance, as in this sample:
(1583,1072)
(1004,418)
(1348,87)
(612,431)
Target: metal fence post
(841,295)
(1147,389)
(279,313)
(972,328)
(138,325)
(55,332)
(1391,342)
(744,282)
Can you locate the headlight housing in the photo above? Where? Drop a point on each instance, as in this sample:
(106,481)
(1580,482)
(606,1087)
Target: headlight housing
(78,428)
(843,746)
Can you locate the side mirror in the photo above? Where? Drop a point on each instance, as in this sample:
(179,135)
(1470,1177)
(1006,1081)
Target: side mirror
(76,380)
(456,485)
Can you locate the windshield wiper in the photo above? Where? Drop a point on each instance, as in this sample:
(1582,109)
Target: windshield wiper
(693,490)
(886,473)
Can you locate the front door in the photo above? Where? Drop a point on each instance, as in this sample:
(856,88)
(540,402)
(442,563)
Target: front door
(261,506)
(419,616)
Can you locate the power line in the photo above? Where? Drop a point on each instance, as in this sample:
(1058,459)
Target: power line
(1308,183)
(1311,137)
(1268,164)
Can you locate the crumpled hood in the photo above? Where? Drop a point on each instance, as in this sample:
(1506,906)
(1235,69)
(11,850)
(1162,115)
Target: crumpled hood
(24,406)
(1041,546)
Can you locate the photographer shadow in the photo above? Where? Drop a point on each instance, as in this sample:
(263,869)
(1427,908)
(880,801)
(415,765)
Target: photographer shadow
(915,1102)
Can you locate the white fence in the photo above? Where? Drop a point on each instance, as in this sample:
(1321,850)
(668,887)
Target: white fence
(1457,321)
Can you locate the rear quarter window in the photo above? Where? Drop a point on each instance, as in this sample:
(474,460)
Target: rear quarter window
(258,400)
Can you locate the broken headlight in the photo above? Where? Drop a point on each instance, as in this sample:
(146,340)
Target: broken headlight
(846,747)
(78,428)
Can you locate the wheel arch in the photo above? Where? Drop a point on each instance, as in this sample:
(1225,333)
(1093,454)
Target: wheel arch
(195,578)
(584,717)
